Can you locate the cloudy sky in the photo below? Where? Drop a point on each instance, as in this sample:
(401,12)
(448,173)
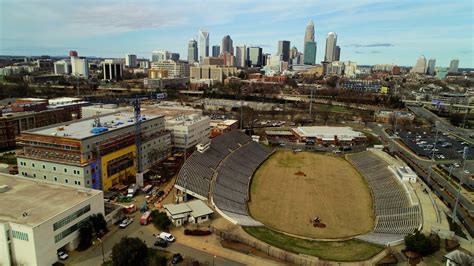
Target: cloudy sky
(369,31)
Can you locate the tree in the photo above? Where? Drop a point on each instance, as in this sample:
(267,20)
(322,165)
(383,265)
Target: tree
(85,235)
(419,243)
(160,220)
(98,223)
(129,251)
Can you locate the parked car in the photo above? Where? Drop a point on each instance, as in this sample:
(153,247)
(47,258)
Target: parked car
(159,242)
(177,258)
(167,236)
(62,255)
(126,222)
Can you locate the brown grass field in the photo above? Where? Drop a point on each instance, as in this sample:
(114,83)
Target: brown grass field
(332,190)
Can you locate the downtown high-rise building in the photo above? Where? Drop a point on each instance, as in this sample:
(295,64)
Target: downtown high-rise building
(216,50)
(160,56)
(192,51)
(420,66)
(310,53)
(130,60)
(227,45)
(338,53)
(203,45)
(331,41)
(255,56)
(309,40)
(453,66)
(430,70)
(309,33)
(241,56)
(284,50)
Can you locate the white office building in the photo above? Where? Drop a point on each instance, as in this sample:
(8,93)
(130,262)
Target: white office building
(420,66)
(80,66)
(62,67)
(176,69)
(241,56)
(39,218)
(189,130)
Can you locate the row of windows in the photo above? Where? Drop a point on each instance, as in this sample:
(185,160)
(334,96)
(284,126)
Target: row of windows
(20,235)
(69,231)
(71,217)
(76,172)
(76,182)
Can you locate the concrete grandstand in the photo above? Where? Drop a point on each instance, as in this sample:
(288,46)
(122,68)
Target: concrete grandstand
(222,174)
(397,214)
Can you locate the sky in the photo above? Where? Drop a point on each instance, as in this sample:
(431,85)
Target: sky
(369,31)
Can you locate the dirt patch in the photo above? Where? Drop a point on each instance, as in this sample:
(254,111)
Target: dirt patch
(248,250)
(289,189)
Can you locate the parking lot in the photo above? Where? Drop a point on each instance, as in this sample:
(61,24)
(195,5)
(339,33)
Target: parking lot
(448,147)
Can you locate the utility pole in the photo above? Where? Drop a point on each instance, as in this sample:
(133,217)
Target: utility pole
(433,153)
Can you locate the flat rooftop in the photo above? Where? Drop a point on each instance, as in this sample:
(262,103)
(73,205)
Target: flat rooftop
(325,132)
(38,200)
(81,129)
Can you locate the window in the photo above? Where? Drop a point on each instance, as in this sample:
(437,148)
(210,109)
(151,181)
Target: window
(54,168)
(34,175)
(56,178)
(32,165)
(44,177)
(65,170)
(71,217)
(44,166)
(69,231)
(20,235)
(79,182)
(66,181)
(88,182)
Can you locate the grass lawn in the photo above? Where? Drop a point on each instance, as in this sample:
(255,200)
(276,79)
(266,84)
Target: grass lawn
(350,250)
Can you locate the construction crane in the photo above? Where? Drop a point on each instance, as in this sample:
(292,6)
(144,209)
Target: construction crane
(138,141)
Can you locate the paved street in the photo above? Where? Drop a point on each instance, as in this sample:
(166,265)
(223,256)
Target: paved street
(93,256)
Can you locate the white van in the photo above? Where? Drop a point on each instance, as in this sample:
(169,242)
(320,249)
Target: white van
(167,236)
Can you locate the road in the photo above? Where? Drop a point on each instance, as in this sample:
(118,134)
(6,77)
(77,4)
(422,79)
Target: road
(93,256)
(440,186)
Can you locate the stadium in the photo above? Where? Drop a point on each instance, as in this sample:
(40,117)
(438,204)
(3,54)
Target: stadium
(301,194)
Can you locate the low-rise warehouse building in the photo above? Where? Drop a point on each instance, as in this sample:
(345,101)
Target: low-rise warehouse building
(39,218)
(193,212)
(329,135)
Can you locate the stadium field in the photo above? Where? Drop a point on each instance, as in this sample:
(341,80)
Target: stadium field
(290,189)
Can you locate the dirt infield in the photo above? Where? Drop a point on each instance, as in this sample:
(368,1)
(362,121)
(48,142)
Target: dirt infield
(290,189)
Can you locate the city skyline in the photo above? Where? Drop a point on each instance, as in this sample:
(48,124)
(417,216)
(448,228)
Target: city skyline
(369,32)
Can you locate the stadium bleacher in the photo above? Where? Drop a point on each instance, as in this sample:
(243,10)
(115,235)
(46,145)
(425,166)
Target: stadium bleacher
(395,216)
(232,158)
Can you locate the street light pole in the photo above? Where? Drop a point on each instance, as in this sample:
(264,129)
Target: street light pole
(433,153)
(102,247)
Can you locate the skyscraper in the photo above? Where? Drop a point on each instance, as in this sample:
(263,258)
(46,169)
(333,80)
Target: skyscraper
(309,33)
(227,46)
(192,51)
(160,56)
(241,56)
(216,50)
(420,66)
(310,53)
(284,50)
(331,41)
(453,66)
(130,60)
(203,45)
(338,53)
(431,67)
(255,56)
